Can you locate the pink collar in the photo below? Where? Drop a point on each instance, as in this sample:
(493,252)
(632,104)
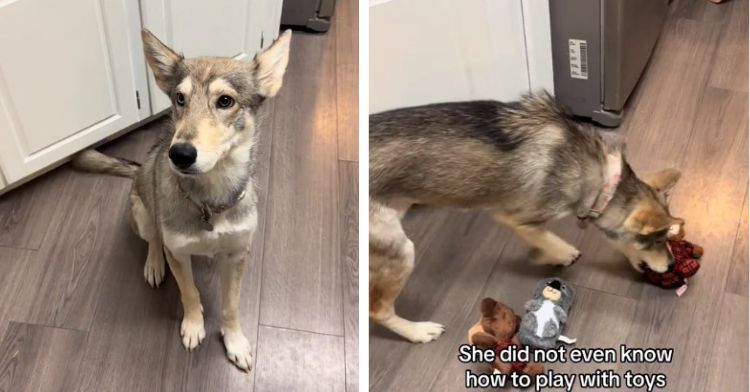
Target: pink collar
(612,176)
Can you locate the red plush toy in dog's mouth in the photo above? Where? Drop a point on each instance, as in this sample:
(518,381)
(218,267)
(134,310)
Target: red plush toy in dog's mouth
(686,255)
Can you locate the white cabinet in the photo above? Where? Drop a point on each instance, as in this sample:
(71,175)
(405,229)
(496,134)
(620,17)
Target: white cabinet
(69,73)
(424,51)
(72,73)
(228,28)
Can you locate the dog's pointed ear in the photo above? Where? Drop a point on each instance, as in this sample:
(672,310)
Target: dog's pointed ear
(269,65)
(663,181)
(162,60)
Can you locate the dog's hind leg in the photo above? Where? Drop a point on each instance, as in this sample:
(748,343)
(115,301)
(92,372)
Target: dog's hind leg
(391,263)
(191,330)
(154,268)
(231,270)
(547,248)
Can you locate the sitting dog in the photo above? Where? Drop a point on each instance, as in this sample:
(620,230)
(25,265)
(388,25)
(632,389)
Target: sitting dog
(194,194)
(528,163)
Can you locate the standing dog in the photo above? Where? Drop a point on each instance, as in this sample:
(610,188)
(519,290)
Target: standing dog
(194,194)
(528,163)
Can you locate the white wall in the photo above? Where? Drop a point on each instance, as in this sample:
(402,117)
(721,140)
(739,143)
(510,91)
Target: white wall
(538,44)
(424,51)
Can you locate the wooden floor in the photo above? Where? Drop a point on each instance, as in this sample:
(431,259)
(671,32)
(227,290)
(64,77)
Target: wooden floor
(690,112)
(76,314)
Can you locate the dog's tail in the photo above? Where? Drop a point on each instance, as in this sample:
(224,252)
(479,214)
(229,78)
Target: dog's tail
(96,162)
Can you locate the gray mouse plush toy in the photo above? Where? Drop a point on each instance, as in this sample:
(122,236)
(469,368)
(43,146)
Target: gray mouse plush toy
(546,314)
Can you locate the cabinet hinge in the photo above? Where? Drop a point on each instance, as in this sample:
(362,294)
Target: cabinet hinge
(138,98)
(261,40)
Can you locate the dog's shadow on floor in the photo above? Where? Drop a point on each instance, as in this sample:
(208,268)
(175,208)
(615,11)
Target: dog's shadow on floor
(617,267)
(522,266)
(614,267)
(380,332)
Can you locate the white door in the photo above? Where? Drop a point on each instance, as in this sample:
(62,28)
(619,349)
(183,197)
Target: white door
(229,28)
(424,51)
(69,72)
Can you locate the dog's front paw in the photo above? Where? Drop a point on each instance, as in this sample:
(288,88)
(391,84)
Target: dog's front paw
(423,331)
(153,272)
(238,349)
(564,256)
(192,331)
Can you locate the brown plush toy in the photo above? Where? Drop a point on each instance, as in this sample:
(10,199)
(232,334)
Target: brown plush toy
(497,329)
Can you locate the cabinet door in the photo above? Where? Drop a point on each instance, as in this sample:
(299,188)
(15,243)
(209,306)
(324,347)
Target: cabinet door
(69,73)
(229,28)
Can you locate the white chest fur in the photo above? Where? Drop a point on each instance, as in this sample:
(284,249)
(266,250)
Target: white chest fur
(226,237)
(545,314)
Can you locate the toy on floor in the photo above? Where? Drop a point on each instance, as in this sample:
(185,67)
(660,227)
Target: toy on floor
(686,255)
(497,329)
(546,314)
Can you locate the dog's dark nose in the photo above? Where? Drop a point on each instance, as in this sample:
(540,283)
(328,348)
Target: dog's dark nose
(182,155)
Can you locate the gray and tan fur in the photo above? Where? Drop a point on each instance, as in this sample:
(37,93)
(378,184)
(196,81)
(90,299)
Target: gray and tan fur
(526,162)
(207,158)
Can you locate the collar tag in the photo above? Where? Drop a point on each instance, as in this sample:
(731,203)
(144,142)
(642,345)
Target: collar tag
(207,211)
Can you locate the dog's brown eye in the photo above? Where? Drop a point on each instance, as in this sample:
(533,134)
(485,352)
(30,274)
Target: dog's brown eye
(179,98)
(224,102)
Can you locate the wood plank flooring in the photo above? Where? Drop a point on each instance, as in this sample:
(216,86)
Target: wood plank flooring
(76,314)
(690,111)
(349,214)
(32,354)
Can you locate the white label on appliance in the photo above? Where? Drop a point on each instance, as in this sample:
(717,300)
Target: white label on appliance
(579,59)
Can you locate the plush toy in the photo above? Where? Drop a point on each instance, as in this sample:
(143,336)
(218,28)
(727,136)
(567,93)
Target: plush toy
(546,314)
(496,329)
(685,265)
